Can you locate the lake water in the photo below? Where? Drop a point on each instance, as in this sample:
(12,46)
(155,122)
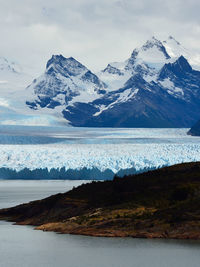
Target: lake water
(21,246)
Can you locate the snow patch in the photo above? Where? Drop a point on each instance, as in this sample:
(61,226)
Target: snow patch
(114,81)
(175,50)
(122,97)
(172,89)
(167,83)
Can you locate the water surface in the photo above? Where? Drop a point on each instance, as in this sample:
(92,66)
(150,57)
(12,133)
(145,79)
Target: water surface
(21,246)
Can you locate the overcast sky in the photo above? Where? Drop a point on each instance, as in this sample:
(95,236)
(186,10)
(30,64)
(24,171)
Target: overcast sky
(95,32)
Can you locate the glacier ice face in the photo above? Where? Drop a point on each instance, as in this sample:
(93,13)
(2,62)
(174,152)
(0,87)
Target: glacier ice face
(113,157)
(136,150)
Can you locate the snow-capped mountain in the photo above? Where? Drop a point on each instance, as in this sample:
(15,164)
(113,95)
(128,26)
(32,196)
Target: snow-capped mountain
(6,66)
(171,100)
(13,96)
(12,73)
(146,60)
(65,82)
(153,88)
(175,50)
(12,82)
(156,87)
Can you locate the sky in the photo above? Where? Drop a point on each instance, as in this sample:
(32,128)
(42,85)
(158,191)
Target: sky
(95,32)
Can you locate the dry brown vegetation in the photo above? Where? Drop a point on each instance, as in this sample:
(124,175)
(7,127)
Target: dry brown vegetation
(164,203)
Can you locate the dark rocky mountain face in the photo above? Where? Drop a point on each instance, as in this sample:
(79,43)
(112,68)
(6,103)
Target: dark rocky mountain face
(178,69)
(150,89)
(143,104)
(195,130)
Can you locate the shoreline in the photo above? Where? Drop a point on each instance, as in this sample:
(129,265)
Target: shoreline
(72,229)
(163,203)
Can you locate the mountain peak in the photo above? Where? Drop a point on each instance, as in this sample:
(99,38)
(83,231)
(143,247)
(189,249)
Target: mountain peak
(151,55)
(63,65)
(183,63)
(180,68)
(6,65)
(174,48)
(53,60)
(171,38)
(112,70)
(151,46)
(152,42)
(60,59)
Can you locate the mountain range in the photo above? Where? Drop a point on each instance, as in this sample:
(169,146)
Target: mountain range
(157,86)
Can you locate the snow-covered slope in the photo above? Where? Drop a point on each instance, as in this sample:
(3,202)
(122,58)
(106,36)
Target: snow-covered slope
(155,87)
(158,86)
(146,60)
(12,83)
(12,77)
(175,50)
(64,82)
(13,97)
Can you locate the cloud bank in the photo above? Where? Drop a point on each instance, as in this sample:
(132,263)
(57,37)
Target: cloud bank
(94,32)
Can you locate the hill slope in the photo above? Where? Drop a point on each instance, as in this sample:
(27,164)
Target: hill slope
(164,203)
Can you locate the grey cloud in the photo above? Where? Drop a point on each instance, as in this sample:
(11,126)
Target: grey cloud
(93,31)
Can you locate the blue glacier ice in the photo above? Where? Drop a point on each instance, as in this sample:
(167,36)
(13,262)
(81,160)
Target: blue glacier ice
(83,153)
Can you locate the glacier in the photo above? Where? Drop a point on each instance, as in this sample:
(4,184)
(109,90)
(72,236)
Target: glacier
(82,153)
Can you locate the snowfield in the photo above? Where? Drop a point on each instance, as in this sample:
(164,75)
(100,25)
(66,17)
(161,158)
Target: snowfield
(90,152)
